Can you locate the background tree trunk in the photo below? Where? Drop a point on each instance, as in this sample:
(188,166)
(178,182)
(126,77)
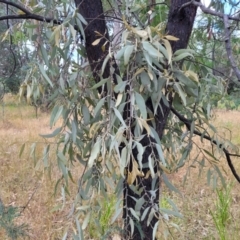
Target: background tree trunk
(180,23)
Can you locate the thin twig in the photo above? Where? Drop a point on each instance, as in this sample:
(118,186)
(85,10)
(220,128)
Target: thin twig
(207,10)
(29,200)
(29,15)
(228,155)
(10,47)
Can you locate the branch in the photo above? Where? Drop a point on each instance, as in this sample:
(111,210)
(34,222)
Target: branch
(16,5)
(207,10)
(33,17)
(27,14)
(226,29)
(229,48)
(228,155)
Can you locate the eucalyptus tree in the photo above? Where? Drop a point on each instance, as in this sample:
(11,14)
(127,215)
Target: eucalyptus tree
(130,107)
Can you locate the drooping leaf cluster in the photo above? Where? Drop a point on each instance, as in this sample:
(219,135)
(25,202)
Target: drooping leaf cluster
(89,119)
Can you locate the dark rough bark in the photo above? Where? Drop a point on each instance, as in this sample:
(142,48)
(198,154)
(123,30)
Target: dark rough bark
(180,24)
(144,187)
(92,11)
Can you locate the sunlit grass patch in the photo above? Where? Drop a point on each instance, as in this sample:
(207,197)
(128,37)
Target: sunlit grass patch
(24,184)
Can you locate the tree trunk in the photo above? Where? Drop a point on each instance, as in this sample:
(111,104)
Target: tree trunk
(92,11)
(180,23)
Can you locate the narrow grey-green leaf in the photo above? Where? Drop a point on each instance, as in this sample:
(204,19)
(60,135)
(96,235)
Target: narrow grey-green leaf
(132,226)
(74,131)
(53,114)
(172,213)
(155,230)
(170,201)
(62,83)
(41,68)
(53,134)
(160,153)
(73,31)
(33,148)
(209,174)
(94,153)
(120,53)
(120,87)
(192,128)
(181,51)
(139,204)
(62,157)
(127,53)
(147,46)
(86,114)
(21,150)
(105,63)
(210,154)
(80,233)
(150,164)
(180,92)
(124,156)
(116,215)
(221,176)
(46,155)
(119,116)
(150,216)
(148,59)
(104,80)
(141,105)
(80,26)
(65,236)
(145,80)
(58,114)
(185,80)
(98,107)
(140,149)
(144,213)
(63,168)
(183,158)
(134,213)
(82,19)
(86,221)
(44,54)
(155,135)
(181,56)
(169,185)
(162,49)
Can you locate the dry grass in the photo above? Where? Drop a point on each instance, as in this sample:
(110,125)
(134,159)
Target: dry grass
(20,181)
(199,199)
